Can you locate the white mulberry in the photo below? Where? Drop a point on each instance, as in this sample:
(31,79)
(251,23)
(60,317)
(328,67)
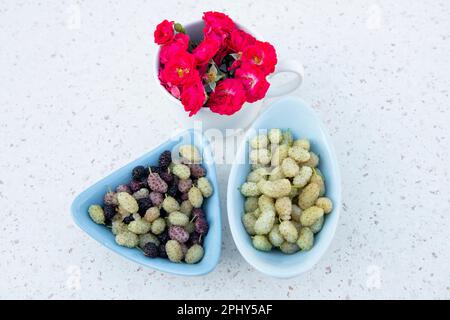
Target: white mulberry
(279,154)
(266,203)
(289,248)
(310,216)
(306,239)
(308,195)
(275,136)
(170,204)
(260,141)
(178,219)
(276,174)
(303,177)
(205,187)
(127,202)
(190,153)
(195,197)
(302,143)
(275,189)
(152,214)
(249,220)
(325,204)
(127,239)
(250,189)
(261,156)
(261,243)
(299,154)
(174,251)
(251,204)
(265,222)
(182,171)
(290,168)
(283,207)
(158,226)
(317,226)
(275,236)
(288,231)
(140,226)
(194,254)
(96,213)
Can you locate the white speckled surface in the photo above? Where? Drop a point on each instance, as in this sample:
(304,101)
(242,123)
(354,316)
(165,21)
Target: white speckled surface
(77,100)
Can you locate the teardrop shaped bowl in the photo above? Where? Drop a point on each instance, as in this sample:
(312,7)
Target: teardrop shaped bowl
(286,113)
(95,193)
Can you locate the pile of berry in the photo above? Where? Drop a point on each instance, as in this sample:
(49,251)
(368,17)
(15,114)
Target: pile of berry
(285,205)
(160,209)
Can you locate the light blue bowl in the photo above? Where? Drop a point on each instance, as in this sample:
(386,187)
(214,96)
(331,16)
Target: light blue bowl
(287,113)
(95,193)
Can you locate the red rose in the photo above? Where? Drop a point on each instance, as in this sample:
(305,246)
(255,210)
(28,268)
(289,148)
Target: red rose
(217,25)
(179,43)
(173,90)
(180,69)
(206,50)
(239,40)
(261,54)
(254,82)
(218,20)
(228,97)
(223,52)
(164,32)
(193,96)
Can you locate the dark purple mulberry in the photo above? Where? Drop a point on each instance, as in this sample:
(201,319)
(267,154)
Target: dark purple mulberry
(162,251)
(195,238)
(197,171)
(163,213)
(184,196)
(198,213)
(109,212)
(135,185)
(166,176)
(128,219)
(173,190)
(164,237)
(165,159)
(156,169)
(201,225)
(156,183)
(144,204)
(150,250)
(139,173)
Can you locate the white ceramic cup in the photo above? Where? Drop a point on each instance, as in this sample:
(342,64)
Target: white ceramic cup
(249,111)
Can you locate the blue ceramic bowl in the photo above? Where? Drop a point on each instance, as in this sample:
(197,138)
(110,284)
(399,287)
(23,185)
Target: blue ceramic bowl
(95,193)
(287,113)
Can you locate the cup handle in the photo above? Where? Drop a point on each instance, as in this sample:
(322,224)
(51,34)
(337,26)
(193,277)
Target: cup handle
(291,66)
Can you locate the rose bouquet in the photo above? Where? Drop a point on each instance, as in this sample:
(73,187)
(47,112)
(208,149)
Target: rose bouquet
(226,69)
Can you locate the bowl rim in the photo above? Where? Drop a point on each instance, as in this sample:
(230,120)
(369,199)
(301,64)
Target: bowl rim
(177,269)
(232,187)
